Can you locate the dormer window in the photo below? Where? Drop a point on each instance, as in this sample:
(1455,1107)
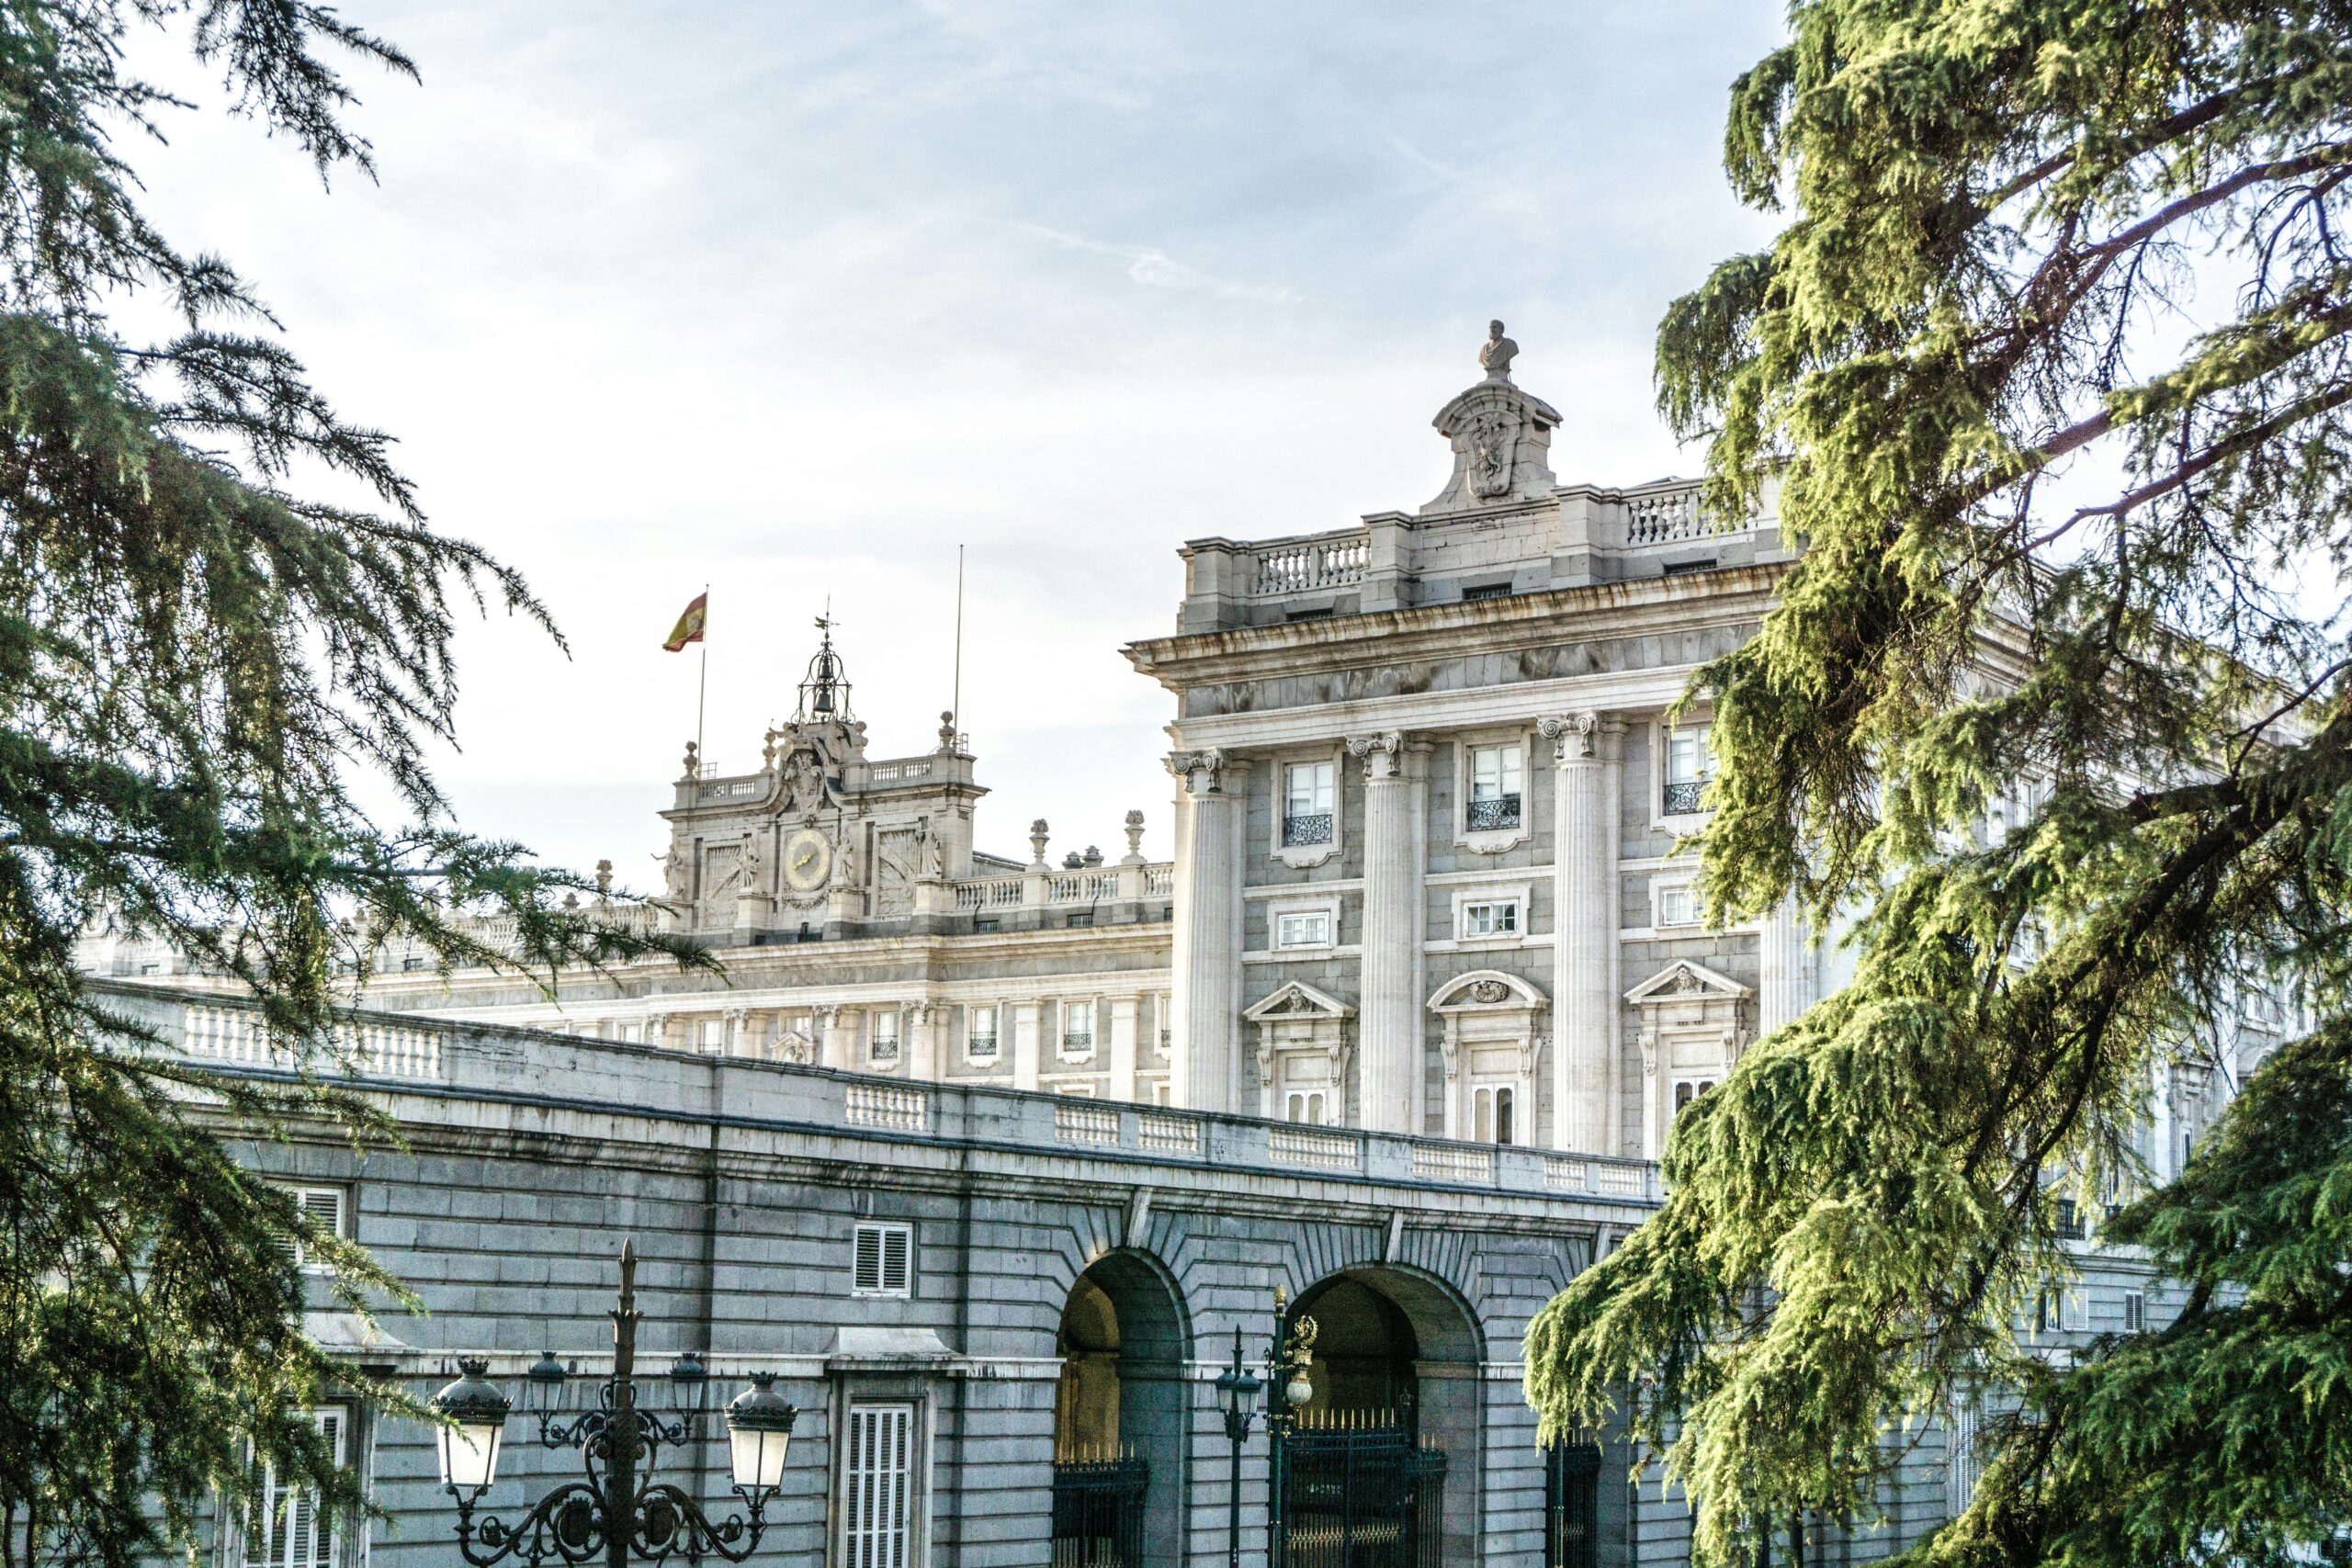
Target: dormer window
(1495,783)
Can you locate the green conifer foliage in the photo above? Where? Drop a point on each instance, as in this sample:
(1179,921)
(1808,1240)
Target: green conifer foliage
(2049,366)
(196,661)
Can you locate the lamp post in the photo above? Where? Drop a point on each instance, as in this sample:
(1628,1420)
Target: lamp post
(620,1513)
(1237,1391)
(1290,1353)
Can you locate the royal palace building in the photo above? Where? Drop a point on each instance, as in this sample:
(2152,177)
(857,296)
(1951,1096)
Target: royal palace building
(996,1163)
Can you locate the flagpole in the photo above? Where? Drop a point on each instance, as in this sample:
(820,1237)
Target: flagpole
(955,696)
(702,677)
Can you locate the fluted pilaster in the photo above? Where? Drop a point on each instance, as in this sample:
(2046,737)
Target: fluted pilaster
(1205,998)
(1584,1044)
(1784,987)
(1389,1048)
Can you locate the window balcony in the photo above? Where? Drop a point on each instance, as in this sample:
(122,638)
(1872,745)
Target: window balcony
(1682,799)
(1299,832)
(1494,812)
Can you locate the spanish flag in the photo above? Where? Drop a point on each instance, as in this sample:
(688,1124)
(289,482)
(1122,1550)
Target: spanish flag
(689,626)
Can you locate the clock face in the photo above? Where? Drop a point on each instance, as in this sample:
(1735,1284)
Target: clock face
(807,860)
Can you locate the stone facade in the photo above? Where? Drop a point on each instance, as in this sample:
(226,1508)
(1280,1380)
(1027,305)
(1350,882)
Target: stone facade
(1486,915)
(1030,1219)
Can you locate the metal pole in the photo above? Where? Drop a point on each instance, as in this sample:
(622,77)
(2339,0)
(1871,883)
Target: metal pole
(1233,1498)
(620,1462)
(702,676)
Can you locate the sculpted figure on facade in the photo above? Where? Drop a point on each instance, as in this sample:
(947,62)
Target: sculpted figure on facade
(1497,353)
(1494,437)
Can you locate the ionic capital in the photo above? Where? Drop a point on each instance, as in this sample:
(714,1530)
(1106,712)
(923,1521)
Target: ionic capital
(1379,753)
(1202,772)
(1586,736)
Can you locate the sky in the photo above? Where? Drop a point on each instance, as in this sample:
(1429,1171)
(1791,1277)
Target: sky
(794,299)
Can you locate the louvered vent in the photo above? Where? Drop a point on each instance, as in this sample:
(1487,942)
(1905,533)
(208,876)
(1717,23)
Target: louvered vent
(885,1260)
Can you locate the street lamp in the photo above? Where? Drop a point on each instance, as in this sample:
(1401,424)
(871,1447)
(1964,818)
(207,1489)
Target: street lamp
(611,1515)
(1237,1391)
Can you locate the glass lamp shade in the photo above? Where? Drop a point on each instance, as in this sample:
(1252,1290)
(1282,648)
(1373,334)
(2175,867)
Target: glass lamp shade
(759,1431)
(477,1412)
(1236,1390)
(543,1384)
(1300,1390)
(688,1381)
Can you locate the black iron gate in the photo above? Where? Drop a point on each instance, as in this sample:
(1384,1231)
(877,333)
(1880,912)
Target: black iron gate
(1098,1512)
(1359,1497)
(1571,1503)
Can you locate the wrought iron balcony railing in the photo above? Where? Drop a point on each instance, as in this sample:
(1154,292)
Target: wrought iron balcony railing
(1300,831)
(1682,799)
(1495,811)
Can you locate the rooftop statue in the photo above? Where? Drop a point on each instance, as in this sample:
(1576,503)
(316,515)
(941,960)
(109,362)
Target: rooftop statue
(1497,353)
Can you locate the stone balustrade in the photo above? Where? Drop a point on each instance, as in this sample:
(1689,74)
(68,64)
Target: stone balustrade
(1308,563)
(527,1067)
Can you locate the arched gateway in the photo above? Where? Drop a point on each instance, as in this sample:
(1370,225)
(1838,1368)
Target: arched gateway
(1381,1466)
(1119,1416)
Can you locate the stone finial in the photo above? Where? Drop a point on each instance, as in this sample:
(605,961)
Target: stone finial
(1093,856)
(947,735)
(571,901)
(1037,834)
(1497,353)
(1073,861)
(1134,839)
(694,759)
(604,881)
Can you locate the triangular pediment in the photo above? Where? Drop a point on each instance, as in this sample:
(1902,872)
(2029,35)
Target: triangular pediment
(1298,999)
(1685,981)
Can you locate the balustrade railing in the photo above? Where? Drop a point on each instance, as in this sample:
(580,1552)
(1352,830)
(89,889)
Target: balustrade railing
(1452,1162)
(1301,565)
(1495,811)
(1078,1121)
(1308,1146)
(899,1108)
(237,1034)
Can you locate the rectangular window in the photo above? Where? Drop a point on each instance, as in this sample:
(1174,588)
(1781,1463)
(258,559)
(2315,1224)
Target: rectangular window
(979,1033)
(1307,804)
(1304,1106)
(1498,918)
(986,923)
(1688,1089)
(1491,1113)
(711,1036)
(2070,1221)
(874,1481)
(2135,1312)
(883,1261)
(1485,590)
(330,1207)
(286,1529)
(1078,919)
(1689,765)
(1680,906)
(1493,788)
(1078,1024)
(1160,1090)
(1302,927)
(883,1046)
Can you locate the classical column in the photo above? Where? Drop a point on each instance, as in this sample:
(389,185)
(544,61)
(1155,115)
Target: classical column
(1388,1012)
(837,1036)
(1781,993)
(1584,924)
(1118,1015)
(1205,1005)
(926,1045)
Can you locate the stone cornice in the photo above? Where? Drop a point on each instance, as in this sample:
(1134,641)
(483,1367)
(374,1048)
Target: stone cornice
(1600,611)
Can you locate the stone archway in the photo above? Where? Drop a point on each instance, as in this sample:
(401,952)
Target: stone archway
(1121,1398)
(1396,1347)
